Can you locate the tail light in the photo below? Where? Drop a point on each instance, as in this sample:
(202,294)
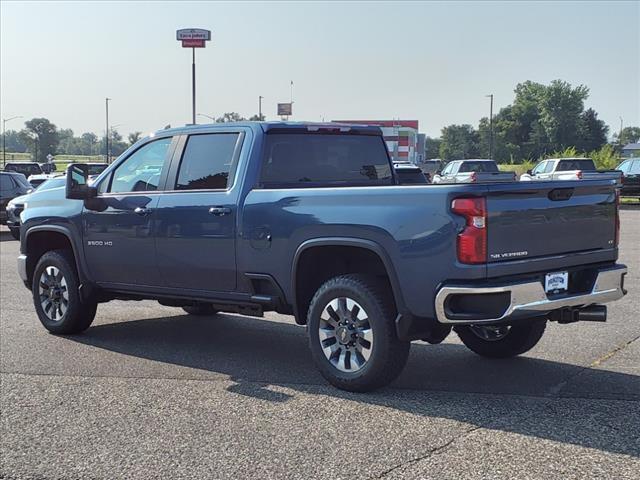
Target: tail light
(617,234)
(472,242)
(579,174)
(474,176)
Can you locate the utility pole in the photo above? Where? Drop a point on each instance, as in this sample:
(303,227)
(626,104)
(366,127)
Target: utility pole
(106,131)
(490,127)
(260,97)
(4,138)
(620,134)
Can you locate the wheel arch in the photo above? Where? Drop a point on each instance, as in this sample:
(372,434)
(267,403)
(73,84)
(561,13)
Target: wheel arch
(373,248)
(40,239)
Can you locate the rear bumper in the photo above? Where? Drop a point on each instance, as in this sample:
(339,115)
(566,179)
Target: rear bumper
(527,299)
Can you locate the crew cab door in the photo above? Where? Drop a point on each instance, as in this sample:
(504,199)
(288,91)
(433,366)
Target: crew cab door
(119,240)
(543,171)
(197,215)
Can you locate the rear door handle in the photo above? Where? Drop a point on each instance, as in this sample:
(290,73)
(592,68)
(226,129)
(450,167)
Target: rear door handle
(219,211)
(143,212)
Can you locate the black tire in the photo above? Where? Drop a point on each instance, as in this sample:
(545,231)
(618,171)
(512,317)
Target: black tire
(200,309)
(520,338)
(387,354)
(79,313)
(15,232)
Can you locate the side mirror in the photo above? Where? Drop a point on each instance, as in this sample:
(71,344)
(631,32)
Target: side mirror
(529,172)
(439,171)
(78,187)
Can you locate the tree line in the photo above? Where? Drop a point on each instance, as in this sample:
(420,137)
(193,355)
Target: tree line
(40,138)
(542,119)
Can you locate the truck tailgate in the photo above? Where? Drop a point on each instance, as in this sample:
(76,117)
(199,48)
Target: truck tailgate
(550,218)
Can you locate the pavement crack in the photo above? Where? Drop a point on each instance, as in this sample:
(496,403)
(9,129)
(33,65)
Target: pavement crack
(554,392)
(608,355)
(431,452)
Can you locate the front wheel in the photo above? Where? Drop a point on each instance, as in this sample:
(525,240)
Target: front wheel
(56,296)
(502,341)
(352,335)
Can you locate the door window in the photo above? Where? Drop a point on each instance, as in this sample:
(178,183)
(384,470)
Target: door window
(207,162)
(539,168)
(141,171)
(6,184)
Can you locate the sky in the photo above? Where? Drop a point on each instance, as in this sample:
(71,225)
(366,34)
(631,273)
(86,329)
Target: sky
(430,61)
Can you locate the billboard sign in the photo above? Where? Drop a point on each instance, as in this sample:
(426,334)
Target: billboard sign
(285,109)
(193,44)
(193,34)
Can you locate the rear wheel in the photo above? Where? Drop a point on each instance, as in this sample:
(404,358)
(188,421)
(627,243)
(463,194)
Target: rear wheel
(352,335)
(502,341)
(15,232)
(55,295)
(200,309)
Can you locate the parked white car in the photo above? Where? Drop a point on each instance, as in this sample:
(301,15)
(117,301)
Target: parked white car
(563,169)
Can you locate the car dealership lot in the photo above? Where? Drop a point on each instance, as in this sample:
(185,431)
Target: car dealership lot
(148,392)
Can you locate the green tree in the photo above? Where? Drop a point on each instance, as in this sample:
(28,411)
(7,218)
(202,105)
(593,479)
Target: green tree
(629,135)
(561,107)
(42,138)
(432,148)
(133,137)
(257,118)
(458,142)
(592,132)
(230,117)
(12,142)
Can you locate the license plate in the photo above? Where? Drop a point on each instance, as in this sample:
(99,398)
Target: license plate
(555,282)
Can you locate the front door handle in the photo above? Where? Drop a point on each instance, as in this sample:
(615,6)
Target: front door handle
(143,212)
(219,211)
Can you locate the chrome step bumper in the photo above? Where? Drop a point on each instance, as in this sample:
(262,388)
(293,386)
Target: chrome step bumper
(531,297)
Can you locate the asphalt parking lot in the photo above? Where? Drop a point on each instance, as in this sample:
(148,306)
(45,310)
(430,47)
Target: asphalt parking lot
(148,392)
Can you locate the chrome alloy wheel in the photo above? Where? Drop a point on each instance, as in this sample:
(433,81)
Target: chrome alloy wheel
(490,333)
(54,295)
(345,334)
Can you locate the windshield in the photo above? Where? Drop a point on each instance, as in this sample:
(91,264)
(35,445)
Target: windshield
(52,183)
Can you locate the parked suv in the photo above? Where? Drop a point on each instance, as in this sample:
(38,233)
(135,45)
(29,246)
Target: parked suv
(12,184)
(310,220)
(630,169)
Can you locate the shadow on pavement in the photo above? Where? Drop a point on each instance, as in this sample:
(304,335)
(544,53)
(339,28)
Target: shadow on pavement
(257,354)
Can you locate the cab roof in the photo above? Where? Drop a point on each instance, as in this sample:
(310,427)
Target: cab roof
(278,127)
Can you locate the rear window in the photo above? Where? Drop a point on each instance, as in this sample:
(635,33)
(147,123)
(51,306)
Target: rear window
(308,160)
(24,168)
(567,165)
(478,167)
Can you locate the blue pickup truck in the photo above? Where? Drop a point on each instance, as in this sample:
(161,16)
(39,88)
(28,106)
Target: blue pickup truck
(310,220)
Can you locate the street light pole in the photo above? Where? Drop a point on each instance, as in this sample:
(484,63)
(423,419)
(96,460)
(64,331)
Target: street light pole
(106,132)
(490,127)
(620,134)
(208,116)
(260,97)
(4,138)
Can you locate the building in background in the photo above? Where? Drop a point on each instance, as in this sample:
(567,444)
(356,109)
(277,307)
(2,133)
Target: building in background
(402,138)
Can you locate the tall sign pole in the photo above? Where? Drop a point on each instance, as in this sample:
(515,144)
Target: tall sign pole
(490,127)
(106,134)
(193,38)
